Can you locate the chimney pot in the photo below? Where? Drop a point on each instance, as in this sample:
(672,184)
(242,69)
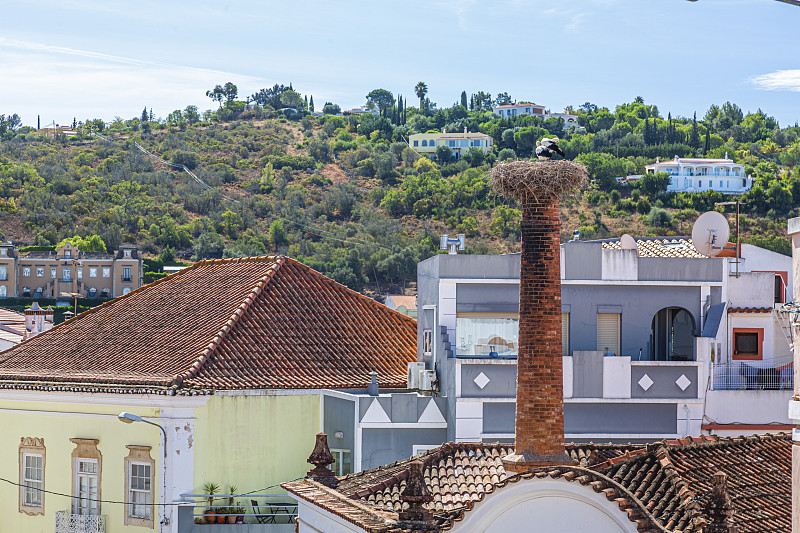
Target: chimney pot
(321,457)
(372,388)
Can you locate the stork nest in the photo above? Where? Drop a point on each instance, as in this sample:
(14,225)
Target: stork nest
(538,180)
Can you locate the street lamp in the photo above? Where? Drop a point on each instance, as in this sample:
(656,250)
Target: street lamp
(130,418)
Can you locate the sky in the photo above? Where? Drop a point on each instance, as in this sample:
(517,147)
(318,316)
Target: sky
(89,59)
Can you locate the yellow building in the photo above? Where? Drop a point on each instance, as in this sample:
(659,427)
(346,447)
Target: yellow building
(69,270)
(228,357)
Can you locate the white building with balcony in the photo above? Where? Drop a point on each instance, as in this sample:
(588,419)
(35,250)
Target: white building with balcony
(699,175)
(528,108)
(459,143)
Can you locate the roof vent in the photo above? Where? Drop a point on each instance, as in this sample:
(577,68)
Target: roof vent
(372,388)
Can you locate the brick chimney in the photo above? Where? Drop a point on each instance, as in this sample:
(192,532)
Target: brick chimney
(719,508)
(540,397)
(321,457)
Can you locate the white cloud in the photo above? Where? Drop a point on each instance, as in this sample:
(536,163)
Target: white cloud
(780,80)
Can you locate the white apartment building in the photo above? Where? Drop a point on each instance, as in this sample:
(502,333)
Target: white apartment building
(698,175)
(513,110)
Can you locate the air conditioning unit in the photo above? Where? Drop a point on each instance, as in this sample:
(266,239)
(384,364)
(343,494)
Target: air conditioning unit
(427,379)
(414,370)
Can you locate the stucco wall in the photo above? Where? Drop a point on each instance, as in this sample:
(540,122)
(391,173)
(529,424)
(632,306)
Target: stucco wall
(56,424)
(255,441)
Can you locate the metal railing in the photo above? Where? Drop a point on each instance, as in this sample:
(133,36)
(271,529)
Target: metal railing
(246,508)
(67,522)
(742,375)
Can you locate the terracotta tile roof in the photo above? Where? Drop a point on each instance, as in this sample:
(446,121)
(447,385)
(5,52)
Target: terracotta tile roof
(750,309)
(661,247)
(7,316)
(267,322)
(661,486)
(410,302)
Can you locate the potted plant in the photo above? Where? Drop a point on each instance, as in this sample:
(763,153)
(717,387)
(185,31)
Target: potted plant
(210,513)
(221,512)
(240,511)
(230,510)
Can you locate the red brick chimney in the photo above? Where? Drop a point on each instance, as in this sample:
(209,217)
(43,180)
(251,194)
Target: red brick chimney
(540,397)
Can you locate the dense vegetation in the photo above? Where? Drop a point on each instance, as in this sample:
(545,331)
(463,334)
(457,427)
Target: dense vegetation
(346,194)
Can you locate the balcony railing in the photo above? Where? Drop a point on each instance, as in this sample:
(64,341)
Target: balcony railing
(739,375)
(67,522)
(247,508)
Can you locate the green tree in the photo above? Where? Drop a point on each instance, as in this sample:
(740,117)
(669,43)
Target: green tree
(464,99)
(291,99)
(191,115)
(331,109)
(144,115)
(506,221)
(208,245)
(503,99)
(653,184)
(311,104)
(217,94)
(380,98)
(421,89)
(230,91)
(277,234)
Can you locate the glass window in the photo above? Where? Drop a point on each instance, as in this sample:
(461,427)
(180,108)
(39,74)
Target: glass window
(701,183)
(486,336)
(126,273)
(53,272)
(67,273)
(106,272)
(3,272)
(141,492)
(86,484)
(3,291)
(424,142)
(80,273)
(341,463)
(92,272)
(427,341)
(3,251)
(67,254)
(39,272)
(416,143)
(464,143)
(32,480)
(127,253)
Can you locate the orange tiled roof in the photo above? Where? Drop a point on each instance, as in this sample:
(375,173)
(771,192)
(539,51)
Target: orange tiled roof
(410,302)
(660,486)
(750,310)
(265,322)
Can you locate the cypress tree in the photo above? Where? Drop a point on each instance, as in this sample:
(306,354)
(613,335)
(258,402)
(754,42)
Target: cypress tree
(694,136)
(707,146)
(306,98)
(311,104)
(464,99)
(144,114)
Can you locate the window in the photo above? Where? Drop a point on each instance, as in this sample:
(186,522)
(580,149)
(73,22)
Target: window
(26,292)
(608,333)
(67,254)
(105,292)
(26,271)
(139,481)
(427,341)
(31,475)
(3,272)
(92,272)
(53,272)
(126,290)
(39,272)
(486,335)
(476,142)
(127,253)
(464,143)
(3,251)
(3,291)
(424,142)
(86,471)
(565,334)
(106,272)
(416,143)
(747,343)
(126,273)
(701,183)
(66,274)
(80,273)
(341,463)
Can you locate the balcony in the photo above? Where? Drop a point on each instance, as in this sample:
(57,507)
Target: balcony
(67,522)
(252,513)
(127,279)
(739,375)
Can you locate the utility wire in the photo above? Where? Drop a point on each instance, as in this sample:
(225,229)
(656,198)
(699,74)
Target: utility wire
(176,504)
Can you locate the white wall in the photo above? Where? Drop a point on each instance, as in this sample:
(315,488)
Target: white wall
(747,407)
(760,259)
(556,506)
(620,264)
(752,289)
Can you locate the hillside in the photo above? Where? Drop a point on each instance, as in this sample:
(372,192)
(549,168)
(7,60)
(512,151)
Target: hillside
(347,195)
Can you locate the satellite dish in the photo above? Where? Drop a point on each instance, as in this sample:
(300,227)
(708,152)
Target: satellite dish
(628,243)
(710,233)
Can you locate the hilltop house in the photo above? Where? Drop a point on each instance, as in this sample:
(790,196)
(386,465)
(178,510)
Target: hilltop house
(228,357)
(459,143)
(698,175)
(528,108)
(403,304)
(40,274)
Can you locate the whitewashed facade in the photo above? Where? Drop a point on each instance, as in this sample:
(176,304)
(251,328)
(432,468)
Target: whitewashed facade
(699,175)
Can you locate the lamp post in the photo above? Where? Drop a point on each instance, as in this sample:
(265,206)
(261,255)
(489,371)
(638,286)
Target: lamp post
(130,418)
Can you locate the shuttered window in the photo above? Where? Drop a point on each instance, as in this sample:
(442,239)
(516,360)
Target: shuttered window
(608,332)
(564,333)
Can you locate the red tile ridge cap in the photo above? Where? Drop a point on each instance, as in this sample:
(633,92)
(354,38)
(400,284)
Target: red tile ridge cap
(201,360)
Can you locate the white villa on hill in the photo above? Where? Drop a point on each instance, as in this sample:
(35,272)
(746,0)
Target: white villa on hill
(513,110)
(698,175)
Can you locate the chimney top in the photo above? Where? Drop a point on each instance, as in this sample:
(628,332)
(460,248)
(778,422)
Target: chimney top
(416,493)
(719,508)
(372,388)
(321,457)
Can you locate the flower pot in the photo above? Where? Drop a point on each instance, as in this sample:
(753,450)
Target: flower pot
(211,517)
(240,519)
(221,519)
(231,519)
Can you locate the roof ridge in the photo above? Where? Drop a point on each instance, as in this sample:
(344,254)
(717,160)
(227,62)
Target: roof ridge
(683,491)
(212,346)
